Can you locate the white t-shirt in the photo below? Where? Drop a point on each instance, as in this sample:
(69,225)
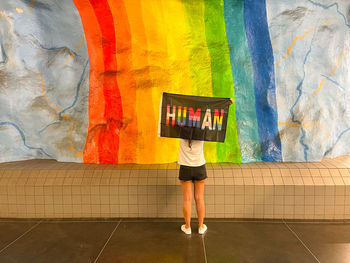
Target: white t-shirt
(193,156)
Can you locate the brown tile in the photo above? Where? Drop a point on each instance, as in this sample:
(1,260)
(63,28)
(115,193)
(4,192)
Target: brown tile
(326,241)
(228,247)
(66,242)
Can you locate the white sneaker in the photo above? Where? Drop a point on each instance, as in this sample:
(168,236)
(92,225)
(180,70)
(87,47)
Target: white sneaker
(186,230)
(201,230)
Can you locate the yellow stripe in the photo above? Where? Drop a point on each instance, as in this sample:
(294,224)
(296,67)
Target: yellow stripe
(7,20)
(77,154)
(306,126)
(176,34)
(333,71)
(289,124)
(300,38)
(75,51)
(161,60)
(175,31)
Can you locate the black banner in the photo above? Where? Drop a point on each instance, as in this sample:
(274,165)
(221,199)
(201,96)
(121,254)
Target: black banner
(194,117)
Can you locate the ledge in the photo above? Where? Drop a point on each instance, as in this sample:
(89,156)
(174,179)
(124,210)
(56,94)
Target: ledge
(51,189)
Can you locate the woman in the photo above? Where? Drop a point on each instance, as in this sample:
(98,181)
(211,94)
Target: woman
(192,171)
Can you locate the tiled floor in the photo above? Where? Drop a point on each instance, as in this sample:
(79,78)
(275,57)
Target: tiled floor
(160,240)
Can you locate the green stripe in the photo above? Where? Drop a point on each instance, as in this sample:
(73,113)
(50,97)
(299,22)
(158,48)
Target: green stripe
(221,75)
(198,50)
(201,83)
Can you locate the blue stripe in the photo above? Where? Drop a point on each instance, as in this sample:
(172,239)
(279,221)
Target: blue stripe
(294,120)
(334,82)
(329,6)
(74,102)
(72,52)
(24,138)
(77,91)
(260,47)
(336,142)
(4,57)
(247,126)
(341,88)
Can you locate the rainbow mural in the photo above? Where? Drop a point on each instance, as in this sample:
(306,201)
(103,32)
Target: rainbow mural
(119,56)
(138,49)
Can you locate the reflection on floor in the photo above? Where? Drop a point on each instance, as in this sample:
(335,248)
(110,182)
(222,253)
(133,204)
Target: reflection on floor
(161,240)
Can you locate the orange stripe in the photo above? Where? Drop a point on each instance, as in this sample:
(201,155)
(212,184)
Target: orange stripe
(289,124)
(126,82)
(96,97)
(300,38)
(333,71)
(7,20)
(76,50)
(147,126)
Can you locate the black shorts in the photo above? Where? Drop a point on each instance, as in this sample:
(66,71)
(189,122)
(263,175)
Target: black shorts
(192,173)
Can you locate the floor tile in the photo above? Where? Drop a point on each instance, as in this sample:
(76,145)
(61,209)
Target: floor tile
(60,242)
(329,242)
(155,220)
(253,242)
(153,242)
(160,240)
(10,231)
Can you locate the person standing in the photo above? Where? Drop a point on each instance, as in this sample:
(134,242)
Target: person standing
(192,173)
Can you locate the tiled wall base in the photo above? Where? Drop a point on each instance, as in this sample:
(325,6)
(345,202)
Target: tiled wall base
(47,189)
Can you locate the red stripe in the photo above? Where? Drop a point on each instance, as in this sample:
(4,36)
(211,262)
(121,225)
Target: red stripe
(108,143)
(126,82)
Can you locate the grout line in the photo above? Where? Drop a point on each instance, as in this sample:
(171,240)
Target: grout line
(205,252)
(110,236)
(321,222)
(301,241)
(277,221)
(30,229)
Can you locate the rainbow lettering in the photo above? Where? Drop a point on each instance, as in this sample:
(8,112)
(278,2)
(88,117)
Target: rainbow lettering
(170,115)
(194,118)
(207,120)
(183,122)
(217,119)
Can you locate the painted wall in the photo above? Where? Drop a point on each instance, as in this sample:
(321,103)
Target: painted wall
(81,80)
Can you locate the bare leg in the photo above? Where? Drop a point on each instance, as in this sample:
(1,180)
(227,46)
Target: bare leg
(187,204)
(198,195)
